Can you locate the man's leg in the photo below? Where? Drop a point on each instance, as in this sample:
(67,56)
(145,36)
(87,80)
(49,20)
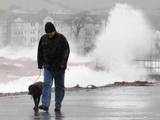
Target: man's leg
(47,87)
(59,89)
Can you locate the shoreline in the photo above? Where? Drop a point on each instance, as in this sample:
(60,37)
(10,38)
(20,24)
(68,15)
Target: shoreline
(90,87)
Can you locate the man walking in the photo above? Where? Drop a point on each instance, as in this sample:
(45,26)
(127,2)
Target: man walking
(53,53)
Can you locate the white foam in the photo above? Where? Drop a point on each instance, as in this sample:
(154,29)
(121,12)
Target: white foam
(19,52)
(19,85)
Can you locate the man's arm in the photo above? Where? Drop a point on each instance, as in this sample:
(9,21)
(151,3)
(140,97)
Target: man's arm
(40,55)
(64,54)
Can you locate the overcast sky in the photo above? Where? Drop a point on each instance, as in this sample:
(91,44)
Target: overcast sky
(77,4)
(150,7)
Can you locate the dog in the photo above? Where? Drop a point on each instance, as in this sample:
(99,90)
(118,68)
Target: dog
(35,90)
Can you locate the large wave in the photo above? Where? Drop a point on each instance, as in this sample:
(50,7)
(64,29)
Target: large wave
(128,36)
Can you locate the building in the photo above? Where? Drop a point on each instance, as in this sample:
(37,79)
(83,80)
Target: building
(24,33)
(32,33)
(18,32)
(3,32)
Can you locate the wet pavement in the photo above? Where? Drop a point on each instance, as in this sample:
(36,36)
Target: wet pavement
(112,103)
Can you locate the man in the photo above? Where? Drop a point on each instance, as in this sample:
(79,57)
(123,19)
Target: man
(53,53)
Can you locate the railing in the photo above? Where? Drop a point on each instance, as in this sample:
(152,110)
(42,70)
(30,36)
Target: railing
(152,65)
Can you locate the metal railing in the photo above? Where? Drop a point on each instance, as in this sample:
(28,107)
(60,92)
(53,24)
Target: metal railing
(151,65)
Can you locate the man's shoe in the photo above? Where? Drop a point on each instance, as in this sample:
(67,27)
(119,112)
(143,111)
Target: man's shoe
(35,109)
(57,109)
(42,107)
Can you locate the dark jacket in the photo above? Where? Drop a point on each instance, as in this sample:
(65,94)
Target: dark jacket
(53,52)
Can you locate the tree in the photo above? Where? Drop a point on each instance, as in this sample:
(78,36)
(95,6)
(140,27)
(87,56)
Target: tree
(78,21)
(87,43)
(84,30)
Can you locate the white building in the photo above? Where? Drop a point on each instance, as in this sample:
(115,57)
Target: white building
(32,33)
(3,32)
(18,32)
(24,33)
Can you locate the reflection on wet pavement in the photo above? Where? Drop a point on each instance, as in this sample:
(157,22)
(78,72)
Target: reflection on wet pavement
(114,103)
(48,116)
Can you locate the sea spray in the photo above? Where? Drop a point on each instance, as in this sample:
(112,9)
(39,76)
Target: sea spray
(127,36)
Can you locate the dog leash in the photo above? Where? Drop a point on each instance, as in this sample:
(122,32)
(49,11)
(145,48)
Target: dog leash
(37,78)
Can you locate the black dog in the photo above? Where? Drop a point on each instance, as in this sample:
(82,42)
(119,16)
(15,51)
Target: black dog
(35,90)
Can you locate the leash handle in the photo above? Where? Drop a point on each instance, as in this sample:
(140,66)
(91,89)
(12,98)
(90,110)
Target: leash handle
(39,75)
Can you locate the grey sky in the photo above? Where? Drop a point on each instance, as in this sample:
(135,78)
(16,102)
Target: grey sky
(151,7)
(77,4)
